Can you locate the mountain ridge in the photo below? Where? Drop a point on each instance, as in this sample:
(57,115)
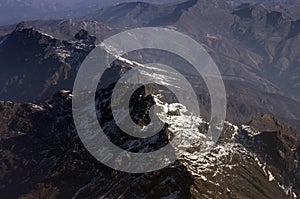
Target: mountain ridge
(38,75)
(61,73)
(240,150)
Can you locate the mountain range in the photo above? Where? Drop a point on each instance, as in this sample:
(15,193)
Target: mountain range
(12,11)
(43,157)
(256,48)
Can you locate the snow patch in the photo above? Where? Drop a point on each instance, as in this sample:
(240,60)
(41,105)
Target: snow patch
(235,129)
(37,107)
(63,53)
(271,177)
(250,130)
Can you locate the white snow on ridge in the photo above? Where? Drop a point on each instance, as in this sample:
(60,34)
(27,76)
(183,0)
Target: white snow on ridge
(45,34)
(251,131)
(36,107)
(63,53)
(287,190)
(235,129)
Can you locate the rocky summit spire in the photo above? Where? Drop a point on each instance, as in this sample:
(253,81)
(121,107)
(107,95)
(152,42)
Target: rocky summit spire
(82,35)
(21,26)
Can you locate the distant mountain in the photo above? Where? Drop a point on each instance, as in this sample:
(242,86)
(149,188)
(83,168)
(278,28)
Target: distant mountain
(292,6)
(268,2)
(272,35)
(249,41)
(65,29)
(135,14)
(252,44)
(13,11)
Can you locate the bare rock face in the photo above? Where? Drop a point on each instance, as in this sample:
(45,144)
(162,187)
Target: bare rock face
(278,143)
(21,26)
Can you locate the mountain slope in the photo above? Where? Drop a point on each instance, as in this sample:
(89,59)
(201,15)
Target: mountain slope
(253,45)
(250,42)
(42,63)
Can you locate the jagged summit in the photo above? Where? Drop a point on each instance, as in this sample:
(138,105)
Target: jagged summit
(44,63)
(82,35)
(22,25)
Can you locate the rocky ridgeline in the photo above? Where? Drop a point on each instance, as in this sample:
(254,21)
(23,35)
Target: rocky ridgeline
(43,64)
